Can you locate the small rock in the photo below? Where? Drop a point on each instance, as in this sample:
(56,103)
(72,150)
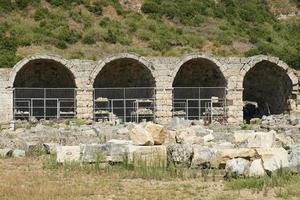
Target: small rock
(237,167)
(188,136)
(34,149)
(256,168)
(157,132)
(273,158)
(149,155)
(202,157)
(17,153)
(294,158)
(179,154)
(93,152)
(262,140)
(117,150)
(242,135)
(222,155)
(140,136)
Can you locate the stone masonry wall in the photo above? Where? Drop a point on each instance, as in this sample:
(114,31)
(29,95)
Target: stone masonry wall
(163,69)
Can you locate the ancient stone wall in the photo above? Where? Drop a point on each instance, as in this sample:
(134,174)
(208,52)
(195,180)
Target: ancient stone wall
(163,71)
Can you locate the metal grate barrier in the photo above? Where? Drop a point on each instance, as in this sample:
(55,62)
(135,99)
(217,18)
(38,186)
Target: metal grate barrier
(44,103)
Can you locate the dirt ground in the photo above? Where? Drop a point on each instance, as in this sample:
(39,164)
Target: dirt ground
(28,179)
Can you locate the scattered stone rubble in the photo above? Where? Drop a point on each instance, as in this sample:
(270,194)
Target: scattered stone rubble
(257,152)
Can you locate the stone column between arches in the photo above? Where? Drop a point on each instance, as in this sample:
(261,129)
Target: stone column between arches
(84,103)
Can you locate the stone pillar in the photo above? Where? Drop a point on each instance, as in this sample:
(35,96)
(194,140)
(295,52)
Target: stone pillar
(84,101)
(235,105)
(163,111)
(6,104)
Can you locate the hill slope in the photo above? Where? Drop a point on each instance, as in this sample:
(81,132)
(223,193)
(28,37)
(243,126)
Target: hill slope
(88,29)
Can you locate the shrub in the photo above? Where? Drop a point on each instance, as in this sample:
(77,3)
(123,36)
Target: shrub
(8,49)
(110,37)
(5,6)
(90,38)
(150,7)
(41,13)
(104,22)
(159,45)
(61,45)
(95,8)
(24,3)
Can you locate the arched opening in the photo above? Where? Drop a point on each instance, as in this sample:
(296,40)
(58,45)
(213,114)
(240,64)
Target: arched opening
(44,89)
(267,88)
(124,90)
(199,91)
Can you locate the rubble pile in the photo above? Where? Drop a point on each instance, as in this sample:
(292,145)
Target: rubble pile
(181,143)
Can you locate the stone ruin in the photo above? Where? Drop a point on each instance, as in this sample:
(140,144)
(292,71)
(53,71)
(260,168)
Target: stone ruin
(119,97)
(131,88)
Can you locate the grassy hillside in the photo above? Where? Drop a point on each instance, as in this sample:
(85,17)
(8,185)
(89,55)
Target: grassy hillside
(88,29)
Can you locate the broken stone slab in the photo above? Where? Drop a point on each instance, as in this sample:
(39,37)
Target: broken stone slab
(283,140)
(242,136)
(200,131)
(273,158)
(237,167)
(67,154)
(147,155)
(157,132)
(91,153)
(6,152)
(222,155)
(294,158)
(188,136)
(262,140)
(117,150)
(18,153)
(50,148)
(256,168)
(202,157)
(179,154)
(140,136)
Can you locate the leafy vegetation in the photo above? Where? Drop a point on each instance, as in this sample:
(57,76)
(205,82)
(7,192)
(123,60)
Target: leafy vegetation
(89,28)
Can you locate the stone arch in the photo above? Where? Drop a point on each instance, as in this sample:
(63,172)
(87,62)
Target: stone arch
(197,79)
(268,85)
(125,57)
(126,82)
(190,57)
(44,88)
(64,65)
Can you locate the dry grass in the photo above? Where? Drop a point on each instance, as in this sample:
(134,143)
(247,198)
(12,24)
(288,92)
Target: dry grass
(28,179)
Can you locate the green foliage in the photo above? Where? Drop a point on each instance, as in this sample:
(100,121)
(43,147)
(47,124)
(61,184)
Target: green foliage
(21,4)
(8,48)
(41,13)
(104,22)
(90,38)
(167,27)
